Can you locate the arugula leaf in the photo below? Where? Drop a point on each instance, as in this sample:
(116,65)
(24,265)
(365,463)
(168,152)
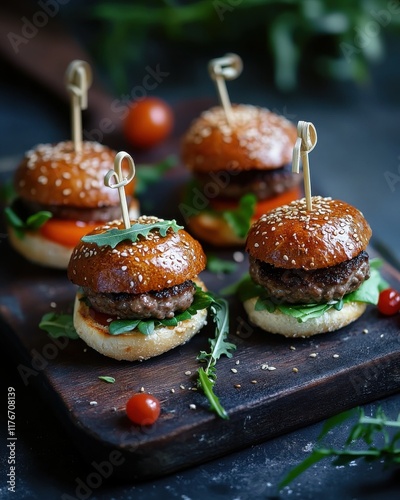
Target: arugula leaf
(219,346)
(109,380)
(58,325)
(114,236)
(217,265)
(239,219)
(364,429)
(150,174)
(32,223)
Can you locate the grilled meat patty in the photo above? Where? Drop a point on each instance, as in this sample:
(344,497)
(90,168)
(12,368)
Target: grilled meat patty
(263,183)
(159,305)
(297,286)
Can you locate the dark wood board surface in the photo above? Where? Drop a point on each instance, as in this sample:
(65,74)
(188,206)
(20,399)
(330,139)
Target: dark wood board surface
(66,372)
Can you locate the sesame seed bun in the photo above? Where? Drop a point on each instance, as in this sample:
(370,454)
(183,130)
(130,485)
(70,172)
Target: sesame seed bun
(257,139)
(55,174)
(134,345)
(291,237)
(149,264)
(279,323)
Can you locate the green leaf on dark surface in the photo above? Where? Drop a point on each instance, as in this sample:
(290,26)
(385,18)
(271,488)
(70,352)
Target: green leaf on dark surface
(146,175)
(370,430)
(219,345)
(105,378)
(217,265)
(115,236)
(239,219)
(58,325)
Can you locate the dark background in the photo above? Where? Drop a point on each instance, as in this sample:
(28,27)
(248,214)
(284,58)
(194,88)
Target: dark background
(358,144)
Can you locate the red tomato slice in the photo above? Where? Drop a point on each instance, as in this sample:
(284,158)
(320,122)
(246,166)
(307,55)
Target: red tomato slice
(263,206)
(66,232)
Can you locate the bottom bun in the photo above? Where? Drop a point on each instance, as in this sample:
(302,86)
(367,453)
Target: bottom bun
(213,229)
(40,250)
(133,346)
(282,324)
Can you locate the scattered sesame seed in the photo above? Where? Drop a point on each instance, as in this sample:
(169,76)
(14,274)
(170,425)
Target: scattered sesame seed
(336,355)
(182,386)
(237,386)
(264,367)
(192,406)
(271,368)
(188,372)
(173,391)
(237,362)
(295,370)
(365,330)
(292,348)
(93,403)
(254,381)
(313,355)
(142,389)
(233,370)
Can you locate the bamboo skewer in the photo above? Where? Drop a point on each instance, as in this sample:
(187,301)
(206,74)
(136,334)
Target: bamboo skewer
(78,80)
(121,181)
(221,69)
(306,141)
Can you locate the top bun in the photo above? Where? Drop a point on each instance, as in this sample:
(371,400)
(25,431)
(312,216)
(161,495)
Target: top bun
(292,237)
(151,263)
(55,174)
(257,139)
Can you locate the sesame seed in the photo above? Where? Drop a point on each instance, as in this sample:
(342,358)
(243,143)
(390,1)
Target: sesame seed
(335,356)
(142,389)
(254,381)
(182,386)
(292,348)
(172,391)
(192,406)
(188,372)
(237,386)
(295,370)
(271,368)
(93,403)
(233,370)
(313,355)
(365,330)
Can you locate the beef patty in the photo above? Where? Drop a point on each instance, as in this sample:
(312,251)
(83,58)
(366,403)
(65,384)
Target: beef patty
(24,208)
(263,183)
(159,305)
(297,286)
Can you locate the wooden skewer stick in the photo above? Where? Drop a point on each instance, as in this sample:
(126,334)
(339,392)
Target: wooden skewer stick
(306,141)
(224,68)
(78,80)
(121,182)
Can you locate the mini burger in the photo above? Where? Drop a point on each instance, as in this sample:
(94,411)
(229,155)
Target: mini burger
(60,198)
(138,299)
(240,170)
(309,270)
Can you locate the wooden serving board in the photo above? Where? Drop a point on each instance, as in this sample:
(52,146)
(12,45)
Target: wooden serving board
(262,403)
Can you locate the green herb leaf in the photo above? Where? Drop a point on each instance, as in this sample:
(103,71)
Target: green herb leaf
(32,223)
(207,387)
(219,346)
(365,429)
(146,175)
(109,380)
(58,325)
(217,265)
(239,219)
(114,236)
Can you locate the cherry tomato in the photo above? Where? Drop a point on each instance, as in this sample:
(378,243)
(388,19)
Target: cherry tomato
(148,122)
(143,409)
(389,302)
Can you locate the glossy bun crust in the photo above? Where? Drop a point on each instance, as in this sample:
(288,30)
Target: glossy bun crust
(54,174)
(292,237)
(256,139)
(151,263)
